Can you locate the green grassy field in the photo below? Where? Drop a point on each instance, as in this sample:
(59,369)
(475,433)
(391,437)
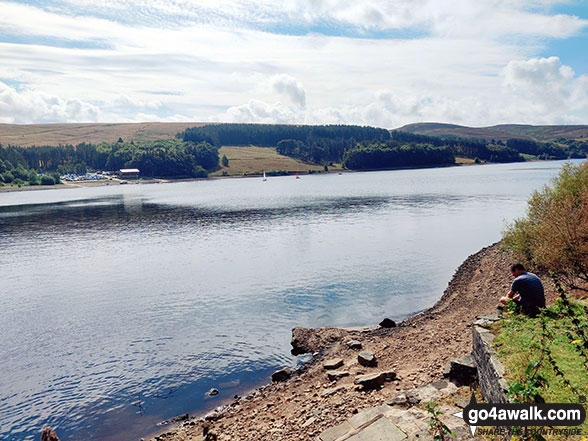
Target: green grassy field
(255,160)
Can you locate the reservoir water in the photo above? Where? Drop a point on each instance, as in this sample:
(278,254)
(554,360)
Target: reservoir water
(120,306)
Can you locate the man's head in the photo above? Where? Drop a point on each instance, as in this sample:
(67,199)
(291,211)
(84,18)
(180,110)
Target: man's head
(517,269)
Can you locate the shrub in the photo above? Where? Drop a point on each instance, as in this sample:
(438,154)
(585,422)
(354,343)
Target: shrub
(554,234)
(20,173)
(56,177)
(7,177)
(33,178)
(47,180)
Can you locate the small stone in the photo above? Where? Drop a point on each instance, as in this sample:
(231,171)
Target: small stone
(335,375)
(354,344)
(333,364)
(374,381)
(413,398)
(333,391)
(212,392)
(387,323)
(367,358)
(398,399)
(48,434)
(463,402)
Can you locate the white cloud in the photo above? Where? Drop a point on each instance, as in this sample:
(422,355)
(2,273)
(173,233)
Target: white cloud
(126,101)
(548,89)
(539,77)
(435,17)
(256,111)
(288,86)
(147,117)
(37,107)
(211,58)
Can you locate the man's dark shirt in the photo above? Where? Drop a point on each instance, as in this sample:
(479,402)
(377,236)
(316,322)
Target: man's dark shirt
(530,288)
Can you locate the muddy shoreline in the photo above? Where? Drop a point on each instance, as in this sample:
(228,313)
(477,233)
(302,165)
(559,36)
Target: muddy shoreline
(417,351)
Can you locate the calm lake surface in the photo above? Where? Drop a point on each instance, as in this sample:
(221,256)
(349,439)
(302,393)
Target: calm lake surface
(121,306)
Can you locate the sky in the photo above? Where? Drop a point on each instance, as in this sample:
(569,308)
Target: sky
(382,63)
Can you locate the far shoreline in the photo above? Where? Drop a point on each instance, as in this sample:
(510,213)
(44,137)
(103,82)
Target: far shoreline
(141,181)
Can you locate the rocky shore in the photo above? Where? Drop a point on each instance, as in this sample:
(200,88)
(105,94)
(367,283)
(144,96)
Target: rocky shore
(354,372)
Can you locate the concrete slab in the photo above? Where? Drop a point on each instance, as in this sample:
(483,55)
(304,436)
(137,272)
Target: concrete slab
(367,415)
(335,432)
(380,430)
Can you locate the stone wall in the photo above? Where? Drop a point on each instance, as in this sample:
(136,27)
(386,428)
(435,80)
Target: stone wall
(490,369)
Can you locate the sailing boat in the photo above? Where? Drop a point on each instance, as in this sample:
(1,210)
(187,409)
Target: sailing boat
(264,178)
(297,177)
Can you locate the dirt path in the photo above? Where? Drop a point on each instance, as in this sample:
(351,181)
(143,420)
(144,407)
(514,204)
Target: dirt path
(417,350)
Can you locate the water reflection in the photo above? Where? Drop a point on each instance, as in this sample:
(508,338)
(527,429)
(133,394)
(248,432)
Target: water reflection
(121,307)
(120,212)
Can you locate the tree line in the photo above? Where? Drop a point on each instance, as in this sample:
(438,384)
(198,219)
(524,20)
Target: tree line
(164,158)
(15,170)
(194,153)
(269,135)
(550,150)
(395,154)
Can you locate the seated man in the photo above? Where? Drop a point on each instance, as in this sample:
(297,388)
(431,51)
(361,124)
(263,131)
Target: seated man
(526,290)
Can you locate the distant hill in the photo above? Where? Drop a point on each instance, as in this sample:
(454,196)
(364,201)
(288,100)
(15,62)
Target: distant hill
(501,132)
(26,135)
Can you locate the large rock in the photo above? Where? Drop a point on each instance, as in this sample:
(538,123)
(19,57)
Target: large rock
(282,375)
(367,358)
(304,341)
(374,381)
(333,363)
(462,371)
(387,323)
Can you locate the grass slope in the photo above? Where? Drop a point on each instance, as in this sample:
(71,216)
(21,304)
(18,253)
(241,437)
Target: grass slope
(26,135)
(501,132)
(254,160)
(94,133)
